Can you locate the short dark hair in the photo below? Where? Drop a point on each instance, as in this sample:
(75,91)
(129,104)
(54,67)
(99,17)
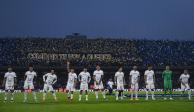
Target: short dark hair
(71,68)
(9,66)
(98,65)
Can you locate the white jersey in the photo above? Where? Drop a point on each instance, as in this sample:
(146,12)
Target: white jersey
(184,78)
(98,75)
(149,76)
(134,76)
(10,78)
(72,77)
(110,84)
(30,76)
(50,78)
(120,78)
(84,77)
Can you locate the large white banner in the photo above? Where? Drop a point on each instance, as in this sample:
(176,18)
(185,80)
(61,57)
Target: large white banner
(53,56)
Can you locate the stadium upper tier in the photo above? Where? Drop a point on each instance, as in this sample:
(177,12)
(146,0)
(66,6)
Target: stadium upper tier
(54,52)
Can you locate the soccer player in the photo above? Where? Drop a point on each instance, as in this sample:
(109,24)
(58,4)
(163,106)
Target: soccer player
(167,76)
(119,81)
(71,83)
(49,80)
(110,84)
(184,79)
(84,78)
(98,85)
(134,79)
(28,83)
(9,82)
(149,78)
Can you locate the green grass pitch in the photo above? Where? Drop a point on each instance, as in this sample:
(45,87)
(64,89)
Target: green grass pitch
(62,105)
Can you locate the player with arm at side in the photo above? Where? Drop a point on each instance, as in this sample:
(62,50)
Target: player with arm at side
(84,78)
(98,84)
(9,82)
(149,78)
(119,81)
(49,80)
(184,80)
(71,83)
(110,84)
(29,83)
(167,77)
(134,79)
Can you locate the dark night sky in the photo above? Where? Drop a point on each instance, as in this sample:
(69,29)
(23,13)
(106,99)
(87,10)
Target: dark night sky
(152,19)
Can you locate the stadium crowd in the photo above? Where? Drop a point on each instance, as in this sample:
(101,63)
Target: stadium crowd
(127,52)
(124,52)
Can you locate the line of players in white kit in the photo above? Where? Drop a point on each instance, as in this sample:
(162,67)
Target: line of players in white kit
(84,78)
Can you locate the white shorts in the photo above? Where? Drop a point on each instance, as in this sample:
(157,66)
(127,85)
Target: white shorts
(84,87)
(185,87)
(48,87)
(9,86)
(135,87)
(120,87)
(28,85)
(99,86)
(150,86)
(70,87)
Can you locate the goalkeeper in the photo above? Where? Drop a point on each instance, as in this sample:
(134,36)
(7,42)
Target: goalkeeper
(167,76)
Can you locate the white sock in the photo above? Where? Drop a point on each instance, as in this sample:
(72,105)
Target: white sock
(146,94)
(44,95)
(86,97)
(121,95)
(96,93)
(68,94)
(5,97)
(189,94)
(12,96)
(136,96)
(104,94)
(80,97)
(117,95)
(71,96)
(34,94)
(54,95)
(152,94)
(132,95)
(25,96)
